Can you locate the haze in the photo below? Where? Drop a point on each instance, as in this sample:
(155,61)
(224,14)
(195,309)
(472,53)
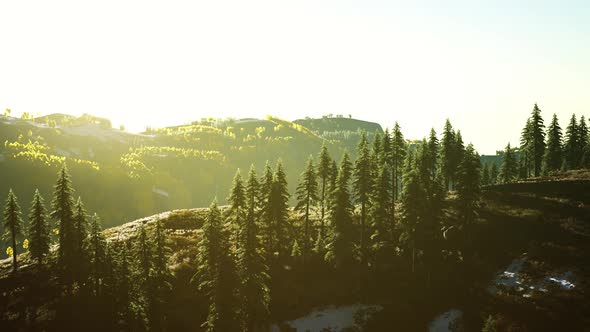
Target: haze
(148,63)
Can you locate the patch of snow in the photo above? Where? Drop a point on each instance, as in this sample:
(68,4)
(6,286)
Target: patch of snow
(510,278)
(562,280)
(443,321)
(333,318)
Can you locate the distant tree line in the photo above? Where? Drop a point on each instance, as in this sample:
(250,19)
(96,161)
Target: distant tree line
(542,150)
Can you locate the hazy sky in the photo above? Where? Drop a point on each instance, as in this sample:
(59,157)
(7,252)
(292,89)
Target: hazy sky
(481,63)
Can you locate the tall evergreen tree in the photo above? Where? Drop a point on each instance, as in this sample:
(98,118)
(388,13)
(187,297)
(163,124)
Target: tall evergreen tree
(398,153)
(572,144)
(340,239)
(553,158)
(216,275)
(526,141)
(81,254)
(537,144)
(160,278)
(252,269)
(509,167)
(307,195)
(448,155)
(98,255)
(468,186)
(324,174)
(413,206)
(433,148)
(584,143)
(39,230)
(379,218)
(13,225)
(62,211)
(494,174)
(280,210)
(362,187)
(237,208)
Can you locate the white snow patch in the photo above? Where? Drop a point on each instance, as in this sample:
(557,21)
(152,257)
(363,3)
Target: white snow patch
(334,318)
(562,280)
(442,322)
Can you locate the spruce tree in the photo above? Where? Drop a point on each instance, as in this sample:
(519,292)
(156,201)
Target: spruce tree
(413,206)
(584,143)
(381,228)
(433,148)
(252,268)
(509,167)
(377,154)
(340,239)
(468,186)
(237,209)
(307,195)
(280,210)
(386,154)
(98,255)
(398,156)
(448,155)
(553,158)
(526,142)
(324,175)
(572,143)
(363,183)
(80,234)
(62,211)
(13,225)
(160,279)
(216,275)
(39,230)
(494,174)
(537,144)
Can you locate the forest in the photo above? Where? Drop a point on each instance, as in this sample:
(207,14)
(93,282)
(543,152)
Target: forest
(411,226)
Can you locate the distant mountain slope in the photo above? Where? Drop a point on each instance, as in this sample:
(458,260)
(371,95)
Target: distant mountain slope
(123,176)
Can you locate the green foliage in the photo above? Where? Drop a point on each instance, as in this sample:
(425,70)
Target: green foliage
(468,186)
(307,196)
(62,210)
(553,159)
(13,225)
(509,167)
(39,229)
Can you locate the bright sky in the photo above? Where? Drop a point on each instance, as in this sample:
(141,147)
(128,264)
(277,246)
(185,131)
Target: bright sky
(154,63)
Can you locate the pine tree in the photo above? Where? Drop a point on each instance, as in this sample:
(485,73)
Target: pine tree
(237,202)
(572,143)
(508,168)
(80,234)
(377,154)
(307,195)
(13,225)
(553,158)
(345,169)
(448,155)
(216,275)
(340,239)
(98,259)
(584,143)
(494,174)
(413,206)
(525,150)
(433,148)
(280,209)
(252,269)
(266,185)
(537,146)
(362,187)
(124,303)
(62,211)
(324,174)
(398,153)
(381,228)
(332,184)
(468,186)
(160,279)
(39,230)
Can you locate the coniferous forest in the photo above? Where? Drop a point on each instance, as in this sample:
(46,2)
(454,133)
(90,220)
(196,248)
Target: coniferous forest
(407,229)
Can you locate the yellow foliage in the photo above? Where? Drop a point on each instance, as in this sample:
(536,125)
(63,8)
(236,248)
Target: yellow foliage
(26,244)
(9,251)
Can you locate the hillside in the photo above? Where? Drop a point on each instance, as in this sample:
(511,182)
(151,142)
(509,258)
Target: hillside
(123,176)
(528,267)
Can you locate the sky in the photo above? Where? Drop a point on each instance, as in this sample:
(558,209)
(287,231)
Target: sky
(483,64)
